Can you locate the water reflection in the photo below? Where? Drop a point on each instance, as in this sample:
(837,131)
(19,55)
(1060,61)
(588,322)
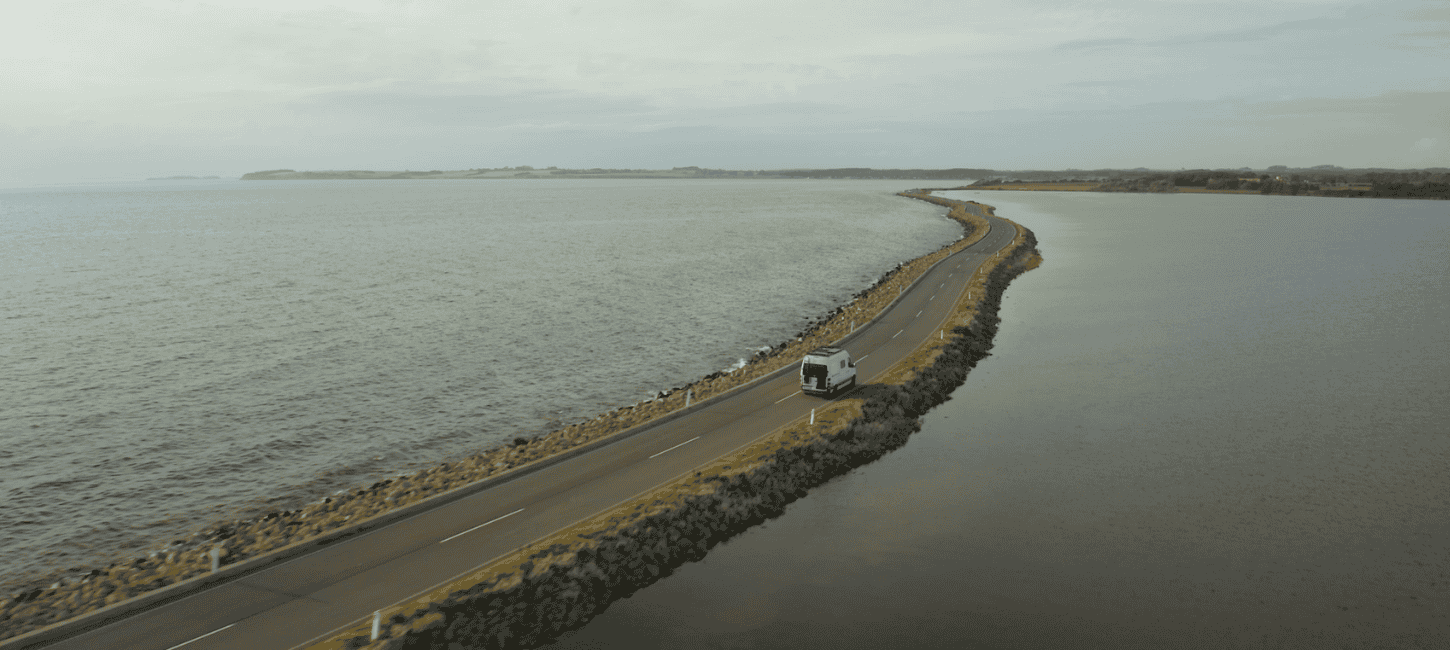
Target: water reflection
(1209,421)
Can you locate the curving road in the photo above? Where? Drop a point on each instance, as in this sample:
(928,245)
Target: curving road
(308,598)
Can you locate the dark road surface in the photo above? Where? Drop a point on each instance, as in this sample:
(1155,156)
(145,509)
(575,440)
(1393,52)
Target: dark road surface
(308,598)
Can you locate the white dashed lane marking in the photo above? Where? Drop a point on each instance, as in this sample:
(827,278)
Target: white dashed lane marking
(199,638)
(677,446)
(482,525)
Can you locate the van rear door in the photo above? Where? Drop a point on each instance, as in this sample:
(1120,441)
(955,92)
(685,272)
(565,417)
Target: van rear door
(814,373)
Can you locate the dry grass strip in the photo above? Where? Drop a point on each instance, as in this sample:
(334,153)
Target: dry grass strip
(46,600)
(560,551)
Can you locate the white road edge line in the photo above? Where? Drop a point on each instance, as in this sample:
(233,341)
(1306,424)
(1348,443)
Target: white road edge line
(483,524)
(678,446)
(200,637)
(325,635)
(897,334)
(787,397)
(340,628)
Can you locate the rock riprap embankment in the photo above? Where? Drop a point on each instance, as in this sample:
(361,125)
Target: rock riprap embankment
(561,582)
(55,598)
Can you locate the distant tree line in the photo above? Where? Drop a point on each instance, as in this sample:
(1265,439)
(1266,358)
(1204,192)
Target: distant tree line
(1409,185)
(1312,182)
(1149,184)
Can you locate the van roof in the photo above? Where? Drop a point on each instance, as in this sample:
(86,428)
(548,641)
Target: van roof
(825,351)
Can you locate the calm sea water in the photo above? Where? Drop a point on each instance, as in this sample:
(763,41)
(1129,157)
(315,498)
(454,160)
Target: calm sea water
(174,353)
(1208,422)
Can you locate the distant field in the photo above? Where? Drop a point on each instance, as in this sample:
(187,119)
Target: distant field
(1041,187)
(1200,190)
(1089,187)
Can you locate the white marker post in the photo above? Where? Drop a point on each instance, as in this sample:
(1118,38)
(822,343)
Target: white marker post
(688,395)
(216,558)
(377,623)
(813,416)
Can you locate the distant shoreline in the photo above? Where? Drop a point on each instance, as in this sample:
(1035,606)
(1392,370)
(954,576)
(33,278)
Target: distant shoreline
(1394,188)
(499,174)
(1094,187)
(1325,180)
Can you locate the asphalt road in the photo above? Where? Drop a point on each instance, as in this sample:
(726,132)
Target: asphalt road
(310,597)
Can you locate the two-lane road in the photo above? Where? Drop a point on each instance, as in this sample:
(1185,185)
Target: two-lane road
(309,597)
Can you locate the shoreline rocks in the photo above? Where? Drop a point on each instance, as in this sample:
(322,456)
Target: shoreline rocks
(562,582)
(51,599)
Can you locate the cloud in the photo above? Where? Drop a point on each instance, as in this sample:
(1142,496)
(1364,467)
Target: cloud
(1094,44)
(276,84)
(1108,83)
(1289,28)
(1433,41)
(1404,108)
(445,106)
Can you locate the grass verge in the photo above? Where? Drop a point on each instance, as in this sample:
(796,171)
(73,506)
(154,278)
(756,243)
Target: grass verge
(559,583)
(49,601)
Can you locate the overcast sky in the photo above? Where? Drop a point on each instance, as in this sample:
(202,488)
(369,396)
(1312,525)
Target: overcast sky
(116,89)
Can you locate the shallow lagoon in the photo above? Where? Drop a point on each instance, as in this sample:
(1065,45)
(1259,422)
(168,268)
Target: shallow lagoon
(1209,421)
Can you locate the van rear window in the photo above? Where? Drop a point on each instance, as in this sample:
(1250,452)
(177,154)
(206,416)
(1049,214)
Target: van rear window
(813,370)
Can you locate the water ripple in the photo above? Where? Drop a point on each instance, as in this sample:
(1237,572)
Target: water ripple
(175,356)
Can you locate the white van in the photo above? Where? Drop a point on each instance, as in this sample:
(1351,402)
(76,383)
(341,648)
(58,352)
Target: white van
(827,370)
